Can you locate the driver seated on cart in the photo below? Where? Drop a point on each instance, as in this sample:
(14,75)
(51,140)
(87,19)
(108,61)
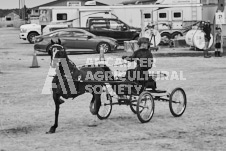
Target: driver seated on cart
(144,60)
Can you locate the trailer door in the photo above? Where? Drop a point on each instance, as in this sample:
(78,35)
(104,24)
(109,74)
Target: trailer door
(163,19)
(146,17)
(177,19)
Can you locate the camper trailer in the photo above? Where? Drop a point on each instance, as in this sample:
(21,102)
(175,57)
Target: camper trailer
(73,16)
(170,17)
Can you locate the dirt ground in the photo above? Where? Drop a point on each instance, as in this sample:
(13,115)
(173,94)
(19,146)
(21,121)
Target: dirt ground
(26,114)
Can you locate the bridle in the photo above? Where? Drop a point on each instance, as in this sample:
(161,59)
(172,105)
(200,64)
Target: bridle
(54,51)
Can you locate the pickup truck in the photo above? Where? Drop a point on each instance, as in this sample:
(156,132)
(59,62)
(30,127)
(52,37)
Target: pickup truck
(108,27)
(112,27)
(29,31)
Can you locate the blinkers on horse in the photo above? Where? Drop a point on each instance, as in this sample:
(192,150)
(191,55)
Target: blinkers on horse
(64,79)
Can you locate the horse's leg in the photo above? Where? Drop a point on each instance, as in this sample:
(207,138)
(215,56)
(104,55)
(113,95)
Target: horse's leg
(94,109)
(97,103)
(57,105)
(92,104)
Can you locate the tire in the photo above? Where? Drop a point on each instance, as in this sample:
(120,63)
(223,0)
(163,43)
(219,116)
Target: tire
(173,101)
(133,106)
(106,105)
(165,38)
(146,98)
(105,46)
(31,36)
(174,34)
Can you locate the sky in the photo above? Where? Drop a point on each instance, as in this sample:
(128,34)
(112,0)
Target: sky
(9,4)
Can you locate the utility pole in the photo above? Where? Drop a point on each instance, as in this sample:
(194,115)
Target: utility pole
(23,9)
(19,10)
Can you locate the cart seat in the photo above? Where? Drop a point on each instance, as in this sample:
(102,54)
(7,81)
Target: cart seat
(157,91)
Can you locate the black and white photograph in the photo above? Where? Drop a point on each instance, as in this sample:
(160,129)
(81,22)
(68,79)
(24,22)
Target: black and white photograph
(113,75)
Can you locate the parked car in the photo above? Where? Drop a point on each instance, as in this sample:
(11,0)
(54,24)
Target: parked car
(112,27)
(29,31)
(74,38)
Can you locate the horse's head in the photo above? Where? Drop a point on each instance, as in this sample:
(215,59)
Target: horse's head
(57,52)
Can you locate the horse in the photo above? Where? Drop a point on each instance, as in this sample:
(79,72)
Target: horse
(67,83)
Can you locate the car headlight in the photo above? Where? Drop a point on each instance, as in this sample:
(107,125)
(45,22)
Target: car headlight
(22,30)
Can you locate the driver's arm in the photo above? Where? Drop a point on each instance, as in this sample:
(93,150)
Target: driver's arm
(130,58)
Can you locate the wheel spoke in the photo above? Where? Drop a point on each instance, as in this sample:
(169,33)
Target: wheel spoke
(105,47)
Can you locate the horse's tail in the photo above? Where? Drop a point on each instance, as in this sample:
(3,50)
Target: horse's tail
(110,77)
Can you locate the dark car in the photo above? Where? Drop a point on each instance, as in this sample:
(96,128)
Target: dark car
(112,27)
(74,38)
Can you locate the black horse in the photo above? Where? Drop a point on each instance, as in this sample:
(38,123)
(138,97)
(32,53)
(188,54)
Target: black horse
(67,82)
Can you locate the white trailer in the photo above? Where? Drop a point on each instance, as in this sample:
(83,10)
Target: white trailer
(171,17)
(75,16)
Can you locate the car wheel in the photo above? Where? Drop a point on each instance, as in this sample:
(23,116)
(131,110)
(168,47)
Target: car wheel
(105,46)
(176,34)
(165,38)
(31,37)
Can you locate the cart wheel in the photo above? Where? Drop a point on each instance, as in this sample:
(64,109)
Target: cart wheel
(145,107)
(106,105)
(133,106)
(177,102)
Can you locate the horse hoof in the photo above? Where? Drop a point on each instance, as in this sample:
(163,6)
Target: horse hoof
(93,124)
(51,131)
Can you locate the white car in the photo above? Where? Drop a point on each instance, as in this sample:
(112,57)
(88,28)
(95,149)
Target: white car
(29,31)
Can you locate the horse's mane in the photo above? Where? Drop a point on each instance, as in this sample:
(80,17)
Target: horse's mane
(74,71)
(71,65)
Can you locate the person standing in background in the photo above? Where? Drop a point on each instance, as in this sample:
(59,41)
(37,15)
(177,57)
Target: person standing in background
(207,30)
(218,42)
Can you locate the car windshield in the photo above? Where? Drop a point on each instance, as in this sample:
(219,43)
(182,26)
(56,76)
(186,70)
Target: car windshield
(88,33)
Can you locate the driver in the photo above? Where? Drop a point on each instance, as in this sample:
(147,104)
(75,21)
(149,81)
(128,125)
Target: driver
(144,59)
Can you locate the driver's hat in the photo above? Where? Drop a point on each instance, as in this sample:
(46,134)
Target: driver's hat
(143,40)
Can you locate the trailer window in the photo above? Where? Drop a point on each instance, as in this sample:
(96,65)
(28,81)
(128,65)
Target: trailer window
(177,15)
(62,16)
(147,15)
(8,18)
(162,15)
